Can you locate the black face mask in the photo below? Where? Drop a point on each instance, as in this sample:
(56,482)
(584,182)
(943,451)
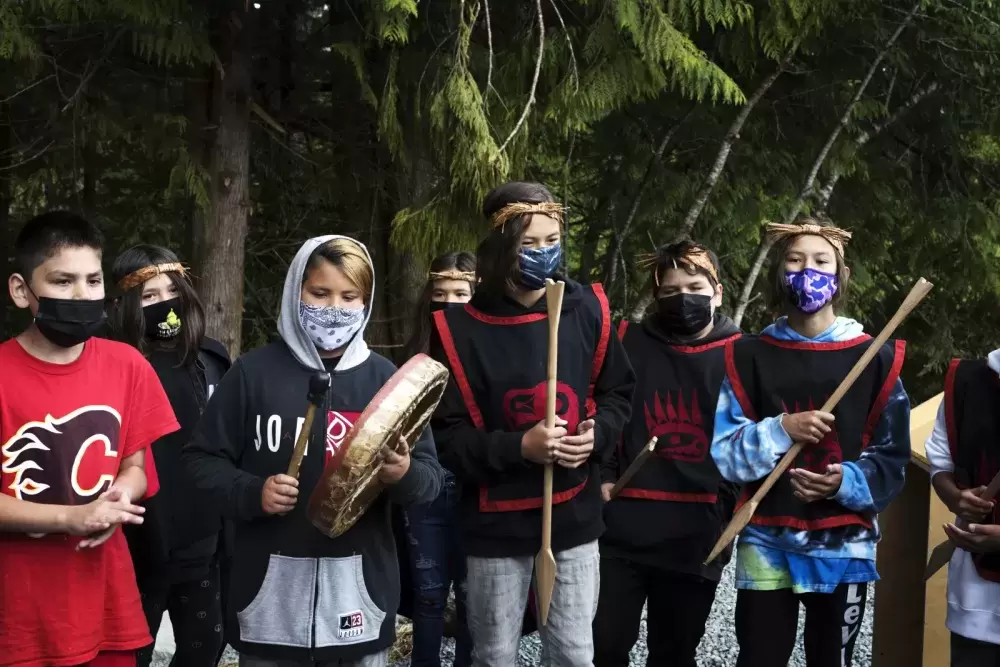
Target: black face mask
(445,305)
(163,319)
(684,314)
(69,322)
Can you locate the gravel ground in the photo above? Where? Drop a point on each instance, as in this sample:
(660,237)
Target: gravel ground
(718,647)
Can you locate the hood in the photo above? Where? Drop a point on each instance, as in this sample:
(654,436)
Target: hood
(993,359)
(843,328)
(290,326)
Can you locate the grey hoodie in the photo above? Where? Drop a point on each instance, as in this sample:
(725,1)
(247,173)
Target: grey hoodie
(290,326)
(295,594)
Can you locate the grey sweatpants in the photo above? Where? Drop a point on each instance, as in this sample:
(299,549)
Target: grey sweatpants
(373,660)
(498,594)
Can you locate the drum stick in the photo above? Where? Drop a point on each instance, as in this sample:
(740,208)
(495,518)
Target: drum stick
(941,554)
(319,384)
(633,467)
(742,518)
(545,561)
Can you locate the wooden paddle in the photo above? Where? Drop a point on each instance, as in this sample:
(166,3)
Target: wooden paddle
(319,384)
(941,555)
(633,467)
(545,561)
(742,518)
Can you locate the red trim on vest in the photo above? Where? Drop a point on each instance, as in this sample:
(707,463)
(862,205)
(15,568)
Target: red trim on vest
(695,349)
(602,346)
(949,407)
(487,505)
(737,384)
(527,318)
(457,370)
(846,519)
(809,345)
(672,496)
(883,395)
(622,326)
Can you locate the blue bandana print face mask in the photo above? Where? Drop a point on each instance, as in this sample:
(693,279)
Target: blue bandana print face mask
(329,327)
(537,264)
(810,289)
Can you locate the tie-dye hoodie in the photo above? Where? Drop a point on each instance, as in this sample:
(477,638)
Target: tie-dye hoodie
(772,558)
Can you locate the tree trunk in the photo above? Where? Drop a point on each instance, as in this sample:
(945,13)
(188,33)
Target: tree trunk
(225,233)
(746,294)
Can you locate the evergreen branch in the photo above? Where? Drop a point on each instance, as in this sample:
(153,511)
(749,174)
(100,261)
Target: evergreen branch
(823,198)
(765,246)
(534,81)
(26,160)
(27,88)
(732,135)
(489,44)
(569,42)
(266,117)
(90,75)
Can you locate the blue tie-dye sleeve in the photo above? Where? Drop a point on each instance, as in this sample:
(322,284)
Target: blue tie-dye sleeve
(745,450)
(872,481)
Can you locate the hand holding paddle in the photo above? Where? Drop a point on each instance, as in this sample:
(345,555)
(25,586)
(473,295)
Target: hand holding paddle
(545,561)
(742,517)
(942,553)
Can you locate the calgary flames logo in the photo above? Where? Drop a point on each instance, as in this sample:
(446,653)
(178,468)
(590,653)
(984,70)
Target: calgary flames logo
(66,461)
(815,458)
(679,430)
(338,425)
(523,408)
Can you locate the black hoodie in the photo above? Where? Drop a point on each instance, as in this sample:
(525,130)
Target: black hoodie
(497,352)
(296,594)
(672,511)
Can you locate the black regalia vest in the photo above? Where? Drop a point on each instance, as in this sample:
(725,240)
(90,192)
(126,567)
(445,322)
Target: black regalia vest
(771,377)
(972,416)
(677,389)
(502,379)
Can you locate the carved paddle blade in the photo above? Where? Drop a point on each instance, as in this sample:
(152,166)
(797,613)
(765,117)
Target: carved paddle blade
(739,522)
(940,556)
(545,582)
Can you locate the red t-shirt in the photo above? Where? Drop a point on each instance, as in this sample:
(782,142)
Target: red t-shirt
(64,430)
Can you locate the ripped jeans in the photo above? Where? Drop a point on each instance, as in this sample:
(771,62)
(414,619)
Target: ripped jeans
(437,560)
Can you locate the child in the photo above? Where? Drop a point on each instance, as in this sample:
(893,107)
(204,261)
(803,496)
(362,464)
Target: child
(435,554)
(962,450)
(297,597)
(77,414)
(491,428)
(175,551)
(812,539)
(673,510)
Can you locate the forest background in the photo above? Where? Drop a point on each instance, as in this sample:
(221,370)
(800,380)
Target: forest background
(232,131)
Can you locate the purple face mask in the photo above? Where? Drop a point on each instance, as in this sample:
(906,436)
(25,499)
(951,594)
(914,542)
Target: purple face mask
(810,289)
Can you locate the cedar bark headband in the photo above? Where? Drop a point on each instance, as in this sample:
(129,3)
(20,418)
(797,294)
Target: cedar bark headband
(836,236)
(140,276)
(452,274)
(695,258)
(549,208)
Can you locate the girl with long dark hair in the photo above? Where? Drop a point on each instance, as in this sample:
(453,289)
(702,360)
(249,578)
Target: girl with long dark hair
(434,546)
(175,552)
(491,433)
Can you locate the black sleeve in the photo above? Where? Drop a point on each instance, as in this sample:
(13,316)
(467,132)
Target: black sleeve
(422,482)
(213,456)
(471,453)
(613,395)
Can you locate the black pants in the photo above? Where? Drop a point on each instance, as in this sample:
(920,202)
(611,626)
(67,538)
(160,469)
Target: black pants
(196,615)
(766,623)
(677,606)
(967,652)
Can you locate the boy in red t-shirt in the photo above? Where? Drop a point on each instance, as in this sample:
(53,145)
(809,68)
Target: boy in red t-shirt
(77,415)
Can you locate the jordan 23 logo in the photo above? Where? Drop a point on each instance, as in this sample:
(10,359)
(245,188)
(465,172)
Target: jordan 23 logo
(68,460)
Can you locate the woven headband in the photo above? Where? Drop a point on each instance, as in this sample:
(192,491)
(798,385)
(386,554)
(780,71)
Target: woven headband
(695,258)
(837,237)
(507,213)
(140,276)
(452,274)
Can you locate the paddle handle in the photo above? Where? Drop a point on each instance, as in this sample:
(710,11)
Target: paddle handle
(301,442)
(634,467)
(916,295)
(553,298)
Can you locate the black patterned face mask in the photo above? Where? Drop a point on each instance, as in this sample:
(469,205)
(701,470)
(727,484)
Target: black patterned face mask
(163,319)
